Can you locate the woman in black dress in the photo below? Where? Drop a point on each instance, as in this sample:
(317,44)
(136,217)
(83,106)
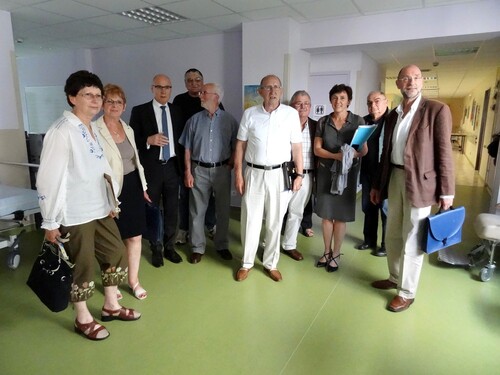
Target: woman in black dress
(332,132)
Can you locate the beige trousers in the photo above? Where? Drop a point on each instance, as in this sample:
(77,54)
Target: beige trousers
(404,237)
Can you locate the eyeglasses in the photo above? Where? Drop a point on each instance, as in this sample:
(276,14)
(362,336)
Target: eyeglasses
(375,101)
(113,102)
(159,87)
(207,93)
(300,104)
(269,88)
(407,79)
(194,80)
(89,96)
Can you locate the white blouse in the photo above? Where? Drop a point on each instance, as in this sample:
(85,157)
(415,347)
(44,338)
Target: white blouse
(70,181)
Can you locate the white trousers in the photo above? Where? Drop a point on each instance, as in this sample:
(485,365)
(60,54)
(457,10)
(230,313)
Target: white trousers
(264,195)
(296,206)
(404,237)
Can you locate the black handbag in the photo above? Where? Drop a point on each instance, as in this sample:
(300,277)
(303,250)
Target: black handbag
(443,229)
(51,276)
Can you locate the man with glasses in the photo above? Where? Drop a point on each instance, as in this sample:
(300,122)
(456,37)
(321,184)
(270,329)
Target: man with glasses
(157,127)
(416,171)
(190,104)
(377,112)
(268,134)
(209,139)
(301,101)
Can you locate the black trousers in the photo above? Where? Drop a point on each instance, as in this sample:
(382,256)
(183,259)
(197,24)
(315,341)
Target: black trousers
(163,188)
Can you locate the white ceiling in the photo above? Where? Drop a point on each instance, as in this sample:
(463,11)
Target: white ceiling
(55,25)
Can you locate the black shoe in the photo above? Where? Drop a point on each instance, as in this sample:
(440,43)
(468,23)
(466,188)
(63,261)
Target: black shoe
(172,256)
(364,246)
(327,257)
(379,252)
(335,267)
(225,254)
(157,257)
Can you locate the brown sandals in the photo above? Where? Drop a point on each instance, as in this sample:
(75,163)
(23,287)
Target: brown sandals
(120,314)
(93,330)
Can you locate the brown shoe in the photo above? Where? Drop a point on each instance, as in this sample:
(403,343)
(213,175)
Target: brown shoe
(195,258)
(242,274)
(384,284)
(273,274)
(399,304)
(294,254)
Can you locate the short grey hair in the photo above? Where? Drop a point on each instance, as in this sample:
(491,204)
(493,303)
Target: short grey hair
(218,90)
(299,93)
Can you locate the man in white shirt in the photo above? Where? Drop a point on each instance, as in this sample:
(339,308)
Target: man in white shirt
(268,135)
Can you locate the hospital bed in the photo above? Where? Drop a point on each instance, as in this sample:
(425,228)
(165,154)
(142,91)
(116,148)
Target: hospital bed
(17,205)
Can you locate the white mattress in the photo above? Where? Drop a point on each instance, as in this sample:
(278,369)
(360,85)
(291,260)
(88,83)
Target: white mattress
(17,199)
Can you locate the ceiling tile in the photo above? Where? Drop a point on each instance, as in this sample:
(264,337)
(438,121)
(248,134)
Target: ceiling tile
(226,22)
(117,22)
(116,6)
(270,13)
(246,5)
(373,7)
(70,9)
(326,9)
(39,16)
(194,9)
(189,28)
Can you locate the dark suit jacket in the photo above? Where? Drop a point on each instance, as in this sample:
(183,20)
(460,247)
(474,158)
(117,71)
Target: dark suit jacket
(312,132)
(370,162)
(143,121)
(428,159)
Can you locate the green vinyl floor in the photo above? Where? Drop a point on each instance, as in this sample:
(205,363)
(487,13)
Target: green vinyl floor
(198,320)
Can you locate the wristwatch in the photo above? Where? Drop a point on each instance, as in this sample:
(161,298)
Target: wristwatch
(299,175)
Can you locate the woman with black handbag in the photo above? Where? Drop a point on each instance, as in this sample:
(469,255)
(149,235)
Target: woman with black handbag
(74,199)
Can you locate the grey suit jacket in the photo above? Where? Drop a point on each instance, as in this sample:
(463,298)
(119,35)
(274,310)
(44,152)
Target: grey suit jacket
(428,159)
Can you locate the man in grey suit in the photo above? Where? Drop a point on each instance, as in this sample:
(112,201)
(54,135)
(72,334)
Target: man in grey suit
(416,171)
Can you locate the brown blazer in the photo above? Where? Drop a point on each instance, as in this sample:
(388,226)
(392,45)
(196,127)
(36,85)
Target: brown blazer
(428,159)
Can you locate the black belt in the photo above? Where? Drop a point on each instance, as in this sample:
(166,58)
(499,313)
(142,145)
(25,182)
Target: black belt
(264,167)
(398,166)
(211,165)
(306,171)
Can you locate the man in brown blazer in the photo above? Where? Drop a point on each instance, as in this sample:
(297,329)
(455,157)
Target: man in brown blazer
(416,171)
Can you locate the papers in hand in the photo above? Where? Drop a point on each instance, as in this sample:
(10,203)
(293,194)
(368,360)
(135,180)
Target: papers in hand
(363,132)
(112,200)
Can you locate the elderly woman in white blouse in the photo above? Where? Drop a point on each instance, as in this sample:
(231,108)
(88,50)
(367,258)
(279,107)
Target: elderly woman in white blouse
(121,152)
(73,200)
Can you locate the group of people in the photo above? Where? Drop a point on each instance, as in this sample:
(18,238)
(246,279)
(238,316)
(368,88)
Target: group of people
(406,167)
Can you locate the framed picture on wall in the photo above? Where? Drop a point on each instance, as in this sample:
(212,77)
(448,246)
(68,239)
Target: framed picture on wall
(251,96)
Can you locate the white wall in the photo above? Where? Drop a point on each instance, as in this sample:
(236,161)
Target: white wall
(12,140)
(218,57)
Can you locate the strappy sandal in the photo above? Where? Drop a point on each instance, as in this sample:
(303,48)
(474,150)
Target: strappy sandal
(138,291)
(121,314)
(327,257)
(329,267)
(93,330)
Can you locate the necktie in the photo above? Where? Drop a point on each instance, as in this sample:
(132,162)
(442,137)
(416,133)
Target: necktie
(164,124)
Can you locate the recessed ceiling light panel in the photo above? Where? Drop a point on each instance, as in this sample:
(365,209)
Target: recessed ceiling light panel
(153,15)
